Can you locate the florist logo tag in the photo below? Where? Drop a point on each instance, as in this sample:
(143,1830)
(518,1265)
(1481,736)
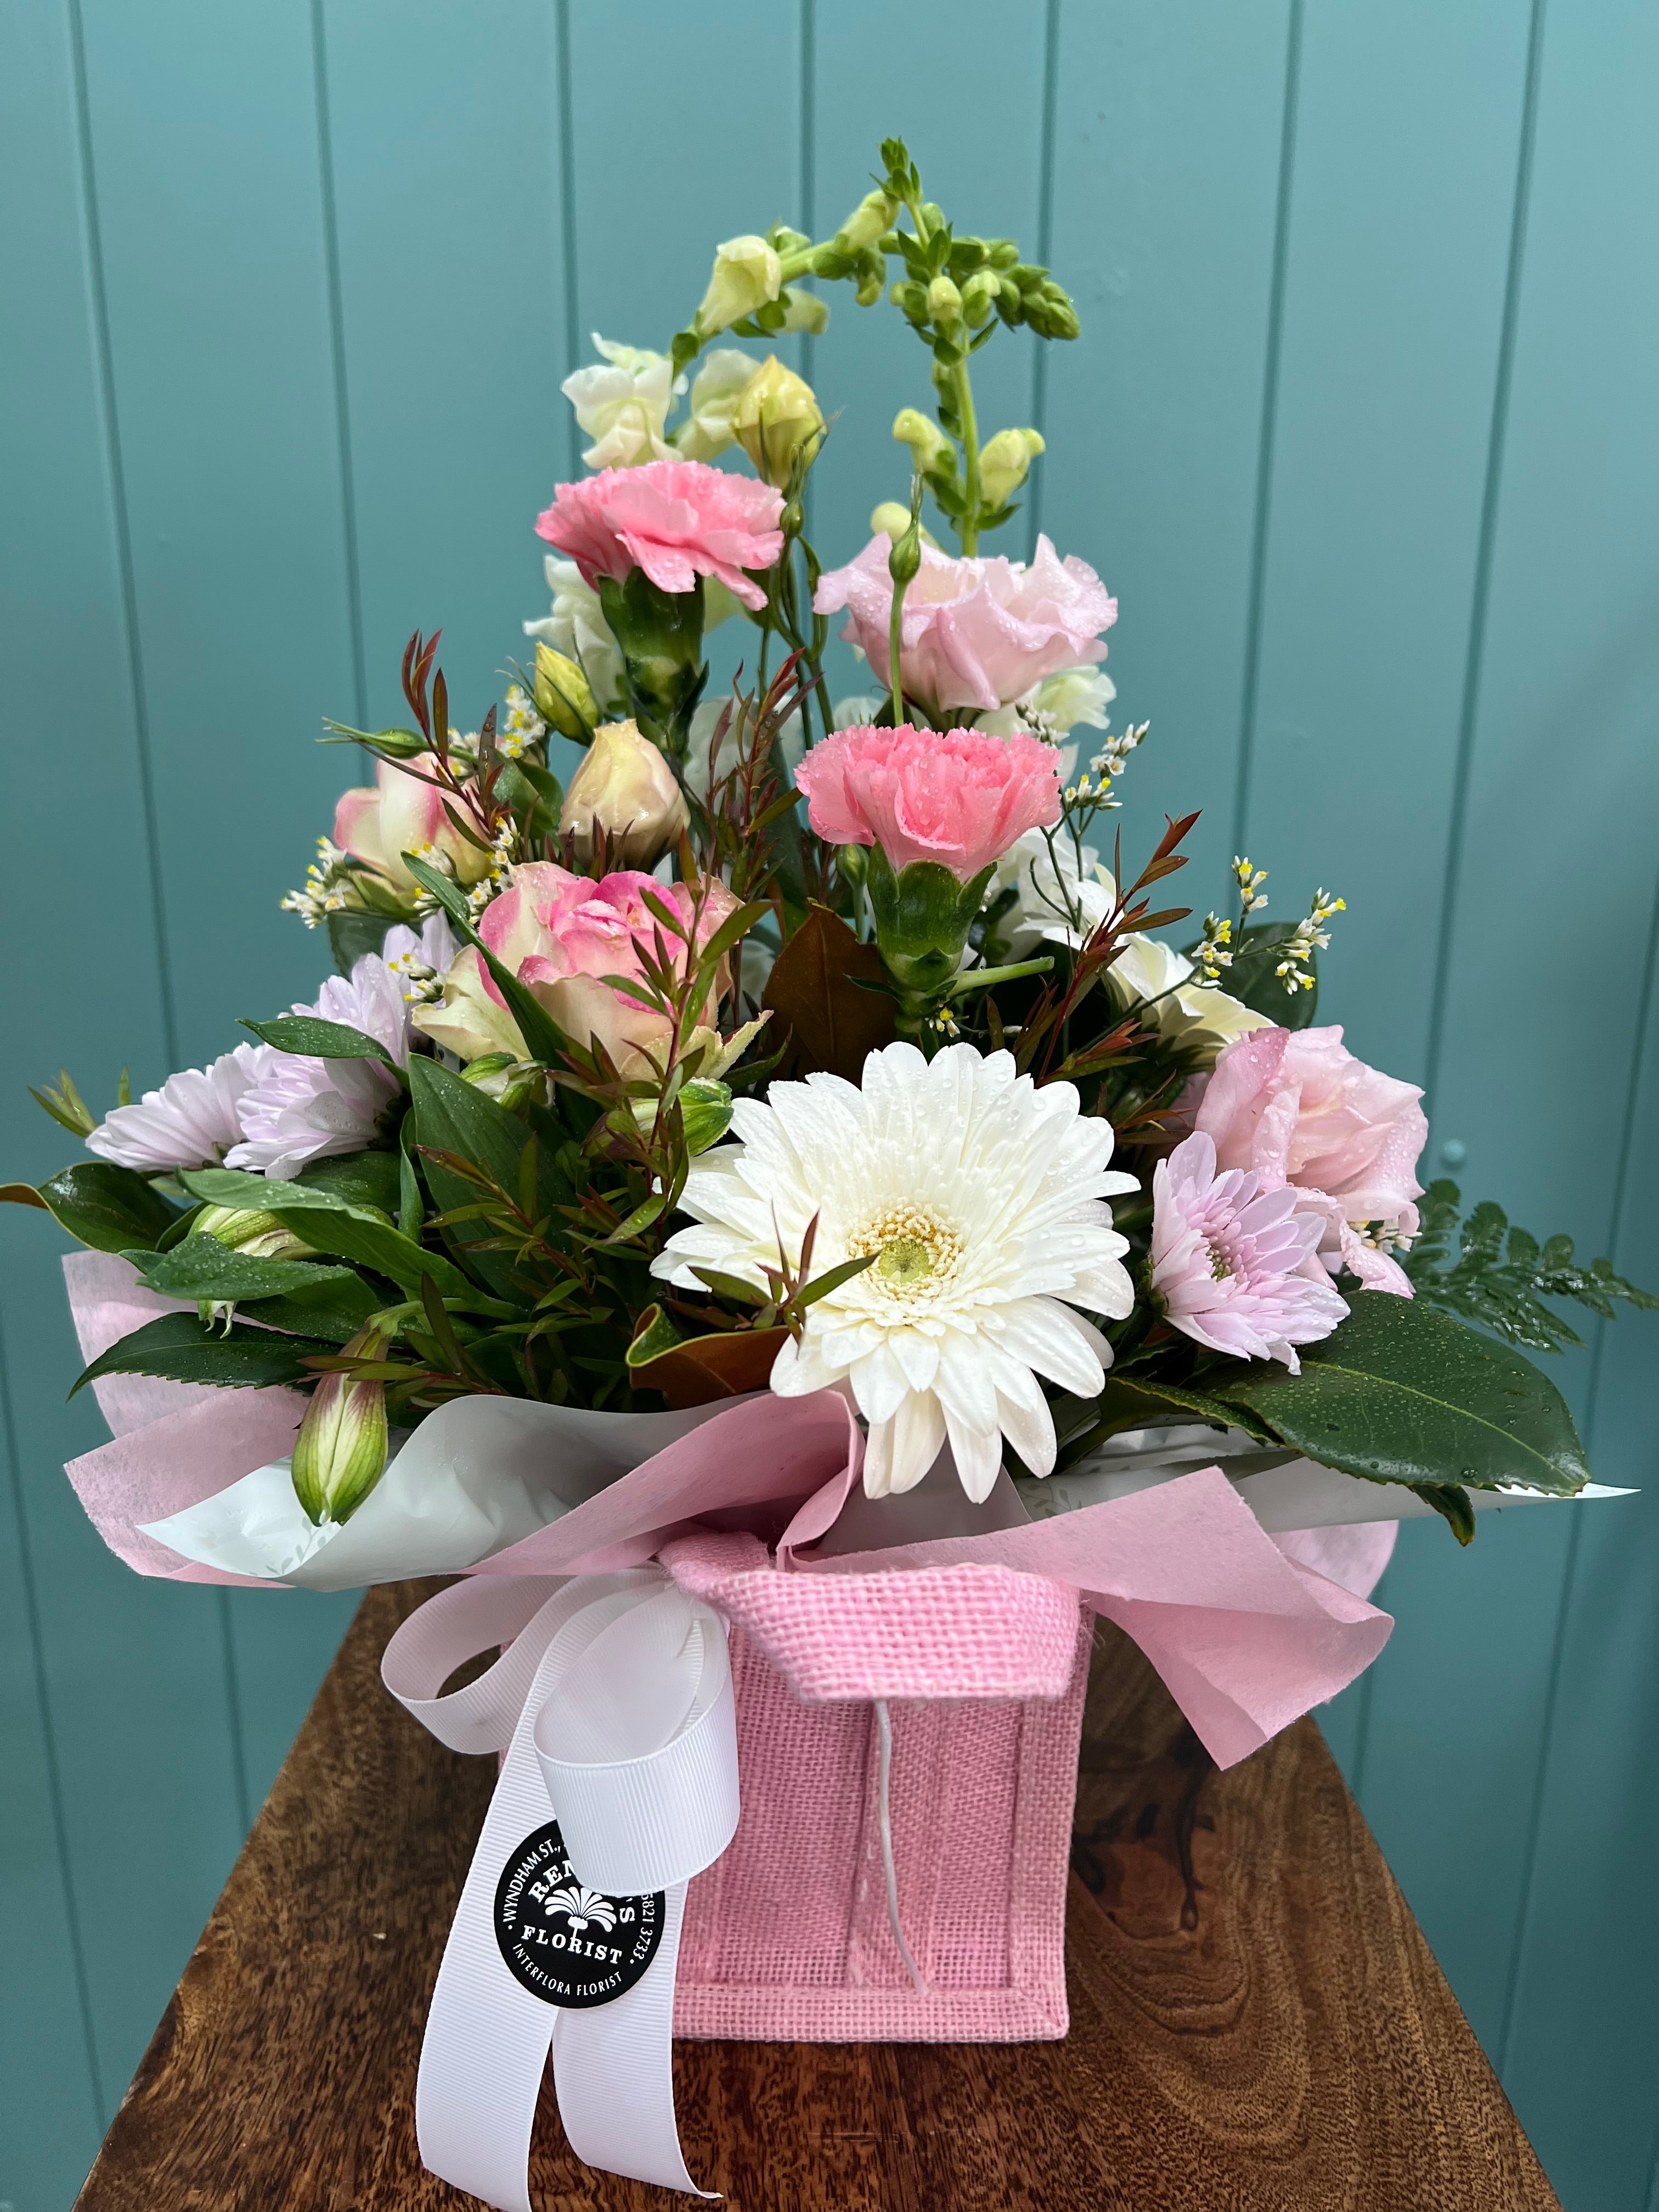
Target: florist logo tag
(565,1943)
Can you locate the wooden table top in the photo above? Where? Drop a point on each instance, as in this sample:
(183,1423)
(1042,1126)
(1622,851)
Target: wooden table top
(1256,2019)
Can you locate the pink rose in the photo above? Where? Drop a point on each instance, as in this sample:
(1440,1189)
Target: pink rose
(560,934)
(1296,1107)
(404,813)
(950,796)
(676,520)
(976,633)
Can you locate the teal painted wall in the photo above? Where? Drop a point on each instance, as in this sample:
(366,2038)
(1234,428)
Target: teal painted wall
(1364,436)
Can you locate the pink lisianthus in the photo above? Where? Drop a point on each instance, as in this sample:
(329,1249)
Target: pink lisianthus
(561,934)
(976,633)
(950,796)
(403,812)
(676,520)
(1234,1265)
(1296,1107)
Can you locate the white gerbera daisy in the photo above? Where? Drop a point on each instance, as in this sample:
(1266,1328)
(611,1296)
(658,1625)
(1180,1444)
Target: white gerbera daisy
(980,1196)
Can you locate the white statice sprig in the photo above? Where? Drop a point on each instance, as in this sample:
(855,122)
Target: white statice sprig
(1251,896)
(521,727)
(1309,936)
(327,889)
(1215,953)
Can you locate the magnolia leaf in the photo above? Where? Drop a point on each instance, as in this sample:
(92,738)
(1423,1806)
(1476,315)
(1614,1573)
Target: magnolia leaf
(106,1206)
(178,1349)
(813,991)
(1142,1401)
(703,1368)
(1399,1393)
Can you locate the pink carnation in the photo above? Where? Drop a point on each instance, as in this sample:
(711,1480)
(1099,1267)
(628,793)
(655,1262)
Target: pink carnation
(676,520)
(952,796)
(1233,1264)
(1296,1107)
(976,633)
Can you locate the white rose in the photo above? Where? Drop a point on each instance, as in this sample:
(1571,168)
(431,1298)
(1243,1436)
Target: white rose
(577,629)
(622,405)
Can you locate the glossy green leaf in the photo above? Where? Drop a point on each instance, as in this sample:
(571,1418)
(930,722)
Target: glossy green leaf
(108,1207)
(451,1115)
(1399,1393)
(203,1268)
(176,1347)
(330,1224)
(316,1039)
(352,933)
(356,1178)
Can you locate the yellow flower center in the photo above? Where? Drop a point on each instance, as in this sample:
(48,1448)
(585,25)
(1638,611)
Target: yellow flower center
(915,1253)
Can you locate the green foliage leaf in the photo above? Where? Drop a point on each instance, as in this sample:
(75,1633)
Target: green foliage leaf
(203,1268)
(176,1347)
(1142,1401)
(336,1305)
(351,932)
(356,1178)
(318,1039)
(1400,1393)
(330,1224)
(1497,1277)
(451,1115)
(107,1208)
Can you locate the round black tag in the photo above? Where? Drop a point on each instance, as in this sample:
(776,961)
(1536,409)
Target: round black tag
(565,1943)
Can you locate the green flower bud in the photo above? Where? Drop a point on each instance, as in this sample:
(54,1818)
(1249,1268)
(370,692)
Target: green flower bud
(786,240)
(873,276)
(979,296)
(563,699)
(905,559)
(1003,463)
(705,1112)
(930,449)
(260,1235)
(892,518)
(803,310)
(341,1451)
(922,916)
(776,414)
(875,213)
(944,301)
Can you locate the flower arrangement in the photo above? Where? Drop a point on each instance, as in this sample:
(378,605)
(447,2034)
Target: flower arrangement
(809,1048)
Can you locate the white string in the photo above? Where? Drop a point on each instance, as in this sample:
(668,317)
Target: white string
(885,1735)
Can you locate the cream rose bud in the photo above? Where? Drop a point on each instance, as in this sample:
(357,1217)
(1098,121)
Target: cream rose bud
(775,415)
(562,696)
(626,789)
(1003,463)
(747,274)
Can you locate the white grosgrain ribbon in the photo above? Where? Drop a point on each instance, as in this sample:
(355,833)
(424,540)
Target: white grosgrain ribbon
(617,1696)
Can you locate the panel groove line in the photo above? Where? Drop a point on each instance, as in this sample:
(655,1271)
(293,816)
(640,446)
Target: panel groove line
(573,327)
(342,383)
(1569,1569)
(1045,246)
(12,1444)
(1269,424)
(1481,598)
(92,243)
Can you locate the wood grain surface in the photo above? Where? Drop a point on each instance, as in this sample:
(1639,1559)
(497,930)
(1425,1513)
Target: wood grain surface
(1256,2020)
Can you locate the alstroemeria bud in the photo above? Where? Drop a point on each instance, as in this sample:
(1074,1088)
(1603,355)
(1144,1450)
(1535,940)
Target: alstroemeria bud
(260,1236)
(930,449)
(1003,463)
(627,788)
(341,1451)
(776,414)
(563,699)
(747,274)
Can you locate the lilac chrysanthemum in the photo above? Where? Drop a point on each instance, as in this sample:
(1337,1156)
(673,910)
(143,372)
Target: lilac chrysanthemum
(191,1122)
(1232,1265)
(299,1109)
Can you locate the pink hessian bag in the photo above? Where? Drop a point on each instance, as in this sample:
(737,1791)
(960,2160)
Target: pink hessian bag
(976,1644)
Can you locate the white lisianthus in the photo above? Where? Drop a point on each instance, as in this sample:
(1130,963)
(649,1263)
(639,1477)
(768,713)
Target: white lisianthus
(1059,703)
(577,628)
(715,391)
(747,274)
(622,405)
(981,1199)
(1054,895)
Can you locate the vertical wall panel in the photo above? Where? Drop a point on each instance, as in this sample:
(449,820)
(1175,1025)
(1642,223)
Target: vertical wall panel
(1168,126)
(204,129)
(1408,120)
(1564,787)
(445,142)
